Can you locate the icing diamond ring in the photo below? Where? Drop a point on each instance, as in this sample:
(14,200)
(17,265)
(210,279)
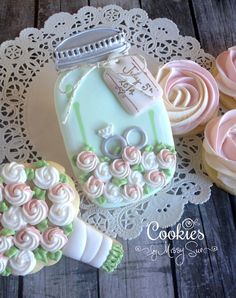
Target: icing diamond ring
(142,134)
(122,143)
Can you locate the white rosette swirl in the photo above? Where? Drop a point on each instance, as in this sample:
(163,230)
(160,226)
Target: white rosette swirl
(53,239)
(135,177)
(61,214)
(3,263)
(13,219)
(35,211)
(6,243)
(46,177)
(149,161)
(61,193)
(13,173)
(102,172)
(23,263)
(17,194)
(27,239)
(1,192)
(112,193)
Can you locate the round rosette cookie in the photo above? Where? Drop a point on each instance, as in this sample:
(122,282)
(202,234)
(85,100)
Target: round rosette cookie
(219,151)
(190,95)
(226,77)
(39,223)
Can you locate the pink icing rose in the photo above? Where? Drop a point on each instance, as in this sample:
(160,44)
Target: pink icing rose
(133,192)
(35,211)
(155,179)
(220,147)
(93,187)
(166,159)
(53,239)
(17,194)
(87,161)
(61,193)
(190,94)
(27,238)
(132,155)
(120,168)
(226,77)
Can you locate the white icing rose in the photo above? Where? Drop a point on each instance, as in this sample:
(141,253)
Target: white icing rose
(17,194)
(102,172)
(120,168)
(6,243)
(149,161)
(155,179)
(23,263)
(13,173)
(35,211)
(1,193)
(53,239)
(13,219)
(133,192)
(93,187)
(112,193)
(166,159)
(61,193)
(46,177)
(132,155)
(27,238)
(61,214)
(3,263)
(87,161)
(135,177)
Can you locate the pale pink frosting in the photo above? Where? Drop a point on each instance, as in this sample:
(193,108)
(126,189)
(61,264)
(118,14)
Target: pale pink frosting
(220,147)
(155,179)
(61,193)
(93,187)
(226,77)
(87,161)
(133,192)
(120,168)
(35,211)
(53,239)
(132,155)
(17,194)
(166,159)
(190,94)
(27,238)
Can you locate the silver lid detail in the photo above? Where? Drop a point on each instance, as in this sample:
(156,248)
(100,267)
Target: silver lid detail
(90,46)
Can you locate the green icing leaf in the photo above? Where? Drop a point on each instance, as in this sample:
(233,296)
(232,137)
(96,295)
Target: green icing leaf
(147,189)
(11,252)
(159,147)
(101,200)
(148,148)
(3,207)
(88,148)
(43,225)
(1,179)
(167,172)
(105,159)
(29,173)
(41,255)
(40,163)
(7,272)
(119,182)
(74,159)
(68,229)
(55,256)
(83,177)
(7,232)
(64,178)
(39,193)
(138,168)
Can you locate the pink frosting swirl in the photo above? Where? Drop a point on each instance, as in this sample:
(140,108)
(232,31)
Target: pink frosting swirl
(166,159)
(17,194)
(53,239)
(220,147)
(132,155)
(226,77)
(87,161)
(120,168)
(155,179)
(35,211)
(133,192)
(61,193)
(27,238)
(190,94)
(93,187)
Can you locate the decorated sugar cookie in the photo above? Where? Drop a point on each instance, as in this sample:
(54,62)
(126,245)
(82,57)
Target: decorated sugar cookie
(39,224)
(113,120)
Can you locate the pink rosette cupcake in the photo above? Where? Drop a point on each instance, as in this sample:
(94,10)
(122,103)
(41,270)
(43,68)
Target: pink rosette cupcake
(226,77)
(219,151)
(190,95)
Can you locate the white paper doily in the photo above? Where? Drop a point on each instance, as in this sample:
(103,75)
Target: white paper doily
(28,125)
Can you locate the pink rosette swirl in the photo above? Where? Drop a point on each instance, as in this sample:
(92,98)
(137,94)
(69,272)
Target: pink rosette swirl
(93,187)
(17,194)
(87,161)
(220,147)
(133,192)
(166,159)
(35,211)
(190,94)
(132,155)
(53,239)
(156,179)
(226,77)
(27,238)
(61,193)
(120,168)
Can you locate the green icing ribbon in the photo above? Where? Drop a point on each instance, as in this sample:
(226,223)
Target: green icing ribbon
(64,178)
(41,255)
(43,225)
(114,258)
(68,229)
(76,106)
(3,207)
(40,163)
(39,193)
(101,200)
(29,173)
(10,253)
(7,232)
(151,114)
(55,256)
(119,182)
(7,272)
